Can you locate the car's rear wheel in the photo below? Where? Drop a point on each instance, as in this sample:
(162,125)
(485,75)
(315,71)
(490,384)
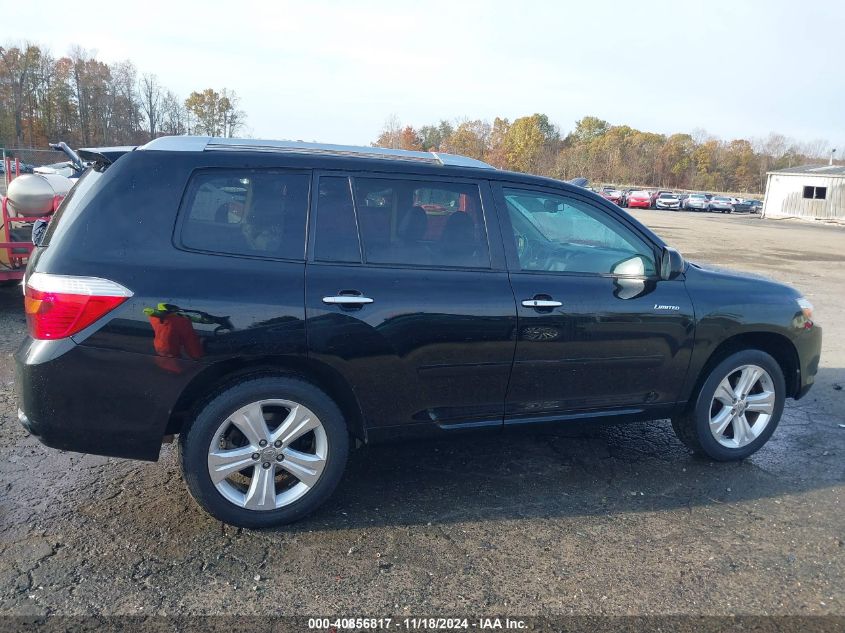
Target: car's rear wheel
(737,408)
(266,451)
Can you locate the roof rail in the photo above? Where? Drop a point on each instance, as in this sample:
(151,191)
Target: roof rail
(207,143)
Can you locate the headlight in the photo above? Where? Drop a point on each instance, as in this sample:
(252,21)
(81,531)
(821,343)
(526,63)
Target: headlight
(807,313)
(806,308)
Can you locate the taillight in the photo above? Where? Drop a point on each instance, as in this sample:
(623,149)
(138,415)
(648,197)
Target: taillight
(58,306)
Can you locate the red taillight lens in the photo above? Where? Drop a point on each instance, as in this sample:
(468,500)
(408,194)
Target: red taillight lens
(58,306)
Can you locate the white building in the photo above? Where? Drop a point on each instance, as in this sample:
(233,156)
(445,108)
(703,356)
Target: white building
(808,191)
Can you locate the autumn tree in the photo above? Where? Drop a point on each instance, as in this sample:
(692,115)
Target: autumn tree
(82,100)
(606,153)
(674,161)
(528,140)
(18,67)
(470,138)
(432,137)
(590,128)
(214,113)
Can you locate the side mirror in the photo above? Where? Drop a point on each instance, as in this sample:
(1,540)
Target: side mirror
(672,264)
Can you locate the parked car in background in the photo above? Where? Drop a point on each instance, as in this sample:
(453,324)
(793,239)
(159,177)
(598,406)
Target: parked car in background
(697,202)
(26,168)
(756,206)
(654,195)
(638,199)
(283,300)
(682,198)
(612,194)
(65,169)
(742,206)
(667,201)
(723,204)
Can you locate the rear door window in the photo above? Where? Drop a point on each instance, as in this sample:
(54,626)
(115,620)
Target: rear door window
(246,212)
(336,230)
(421,223)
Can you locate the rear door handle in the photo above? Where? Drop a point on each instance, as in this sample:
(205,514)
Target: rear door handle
(541,303)
(347,300)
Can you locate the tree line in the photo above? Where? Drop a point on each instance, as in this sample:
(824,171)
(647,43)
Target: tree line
(86,102)
(606,153)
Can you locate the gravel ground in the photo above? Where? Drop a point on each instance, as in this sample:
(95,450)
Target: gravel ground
(585,520)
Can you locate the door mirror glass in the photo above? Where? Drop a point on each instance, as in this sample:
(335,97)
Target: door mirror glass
(631,267)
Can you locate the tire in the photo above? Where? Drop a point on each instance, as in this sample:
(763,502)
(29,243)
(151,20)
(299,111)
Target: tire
(294,496)
(693,427)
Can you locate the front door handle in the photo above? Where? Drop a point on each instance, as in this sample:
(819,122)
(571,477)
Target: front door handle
(541,303)
(347,300)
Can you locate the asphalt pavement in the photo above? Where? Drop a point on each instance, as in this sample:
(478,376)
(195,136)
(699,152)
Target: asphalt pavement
(586,519)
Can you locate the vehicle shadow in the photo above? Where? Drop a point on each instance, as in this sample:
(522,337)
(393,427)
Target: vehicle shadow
(581,470)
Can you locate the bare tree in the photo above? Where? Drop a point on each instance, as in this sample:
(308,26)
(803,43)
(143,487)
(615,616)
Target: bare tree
(125,103)
(174,116)
(151,99)
(391,134)
(232,117)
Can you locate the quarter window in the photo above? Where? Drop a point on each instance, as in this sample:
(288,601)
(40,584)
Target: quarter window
(247,212)
(419,223)
(558,233)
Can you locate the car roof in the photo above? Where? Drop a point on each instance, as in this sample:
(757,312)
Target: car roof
(208,143)
(351,157)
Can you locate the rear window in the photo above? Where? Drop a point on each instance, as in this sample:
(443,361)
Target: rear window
(74,202)
(246,212)
(419,223)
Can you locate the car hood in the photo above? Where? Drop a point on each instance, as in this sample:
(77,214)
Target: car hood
(737,278)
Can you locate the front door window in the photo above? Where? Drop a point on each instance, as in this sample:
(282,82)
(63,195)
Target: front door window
(563,234)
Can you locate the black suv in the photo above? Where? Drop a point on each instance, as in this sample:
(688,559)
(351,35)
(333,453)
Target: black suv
(271,301)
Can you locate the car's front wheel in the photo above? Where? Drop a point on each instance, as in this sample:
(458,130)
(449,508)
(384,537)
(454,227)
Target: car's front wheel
(737,408)
(266,451)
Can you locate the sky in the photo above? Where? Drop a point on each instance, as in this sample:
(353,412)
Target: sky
(335,71)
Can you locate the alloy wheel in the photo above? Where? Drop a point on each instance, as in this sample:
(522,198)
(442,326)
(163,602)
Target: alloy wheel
(742,406)
(267,454)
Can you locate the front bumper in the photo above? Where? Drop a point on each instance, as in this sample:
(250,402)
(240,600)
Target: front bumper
(91,400)
(808,344)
